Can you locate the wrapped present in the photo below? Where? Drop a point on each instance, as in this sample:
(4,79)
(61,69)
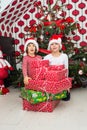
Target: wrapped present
(23,93)
(56,67)
(66,83)
(64,73)
(45,63)
(53,87)
(49,86)
(39,63)
(53,75)
(58,96)
(35,84)
(48,106)
(35,64)
(35,97)
(39,73)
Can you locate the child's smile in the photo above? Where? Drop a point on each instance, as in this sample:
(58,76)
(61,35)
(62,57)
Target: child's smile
(54,47)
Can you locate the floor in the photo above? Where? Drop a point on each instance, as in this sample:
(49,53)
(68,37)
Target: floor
(70,115)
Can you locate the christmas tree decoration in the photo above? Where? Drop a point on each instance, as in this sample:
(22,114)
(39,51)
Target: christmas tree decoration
(78,67)
(4,67)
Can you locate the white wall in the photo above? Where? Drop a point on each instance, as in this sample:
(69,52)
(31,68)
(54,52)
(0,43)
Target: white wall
(4,4)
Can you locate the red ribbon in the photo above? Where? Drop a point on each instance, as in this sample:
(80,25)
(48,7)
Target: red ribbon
(45,51)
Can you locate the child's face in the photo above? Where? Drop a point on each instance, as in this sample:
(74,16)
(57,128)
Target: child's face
(54,47)
(31,48)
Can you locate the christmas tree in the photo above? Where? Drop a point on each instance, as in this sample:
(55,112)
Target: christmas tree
(78,67)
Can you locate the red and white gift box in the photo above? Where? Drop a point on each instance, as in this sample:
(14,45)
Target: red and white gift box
(58,75)
(47,106)
(56,67)
(39,73)
(64,73)
(64,84)
(45,63)
(57,87)
(46,78)
(35,84)
(50,86)
(53,75)
(38,63)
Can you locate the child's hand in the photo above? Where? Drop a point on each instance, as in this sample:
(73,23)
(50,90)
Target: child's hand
(26,80)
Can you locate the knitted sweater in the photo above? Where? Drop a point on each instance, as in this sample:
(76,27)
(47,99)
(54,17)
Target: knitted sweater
(26,69)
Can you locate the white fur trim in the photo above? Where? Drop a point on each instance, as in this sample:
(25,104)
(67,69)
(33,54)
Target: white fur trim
(7,63)
(4,63)
(31,41)
(55,41)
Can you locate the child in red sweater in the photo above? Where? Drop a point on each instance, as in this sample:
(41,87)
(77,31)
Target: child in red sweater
(31,48)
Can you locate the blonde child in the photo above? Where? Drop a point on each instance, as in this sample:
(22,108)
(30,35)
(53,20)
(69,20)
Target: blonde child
(31,48)
(56,57)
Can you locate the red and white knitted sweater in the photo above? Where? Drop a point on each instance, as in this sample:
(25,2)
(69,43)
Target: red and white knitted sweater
(26,69)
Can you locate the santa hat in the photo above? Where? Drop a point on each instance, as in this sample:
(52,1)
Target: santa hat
(31,40)
(55,39)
